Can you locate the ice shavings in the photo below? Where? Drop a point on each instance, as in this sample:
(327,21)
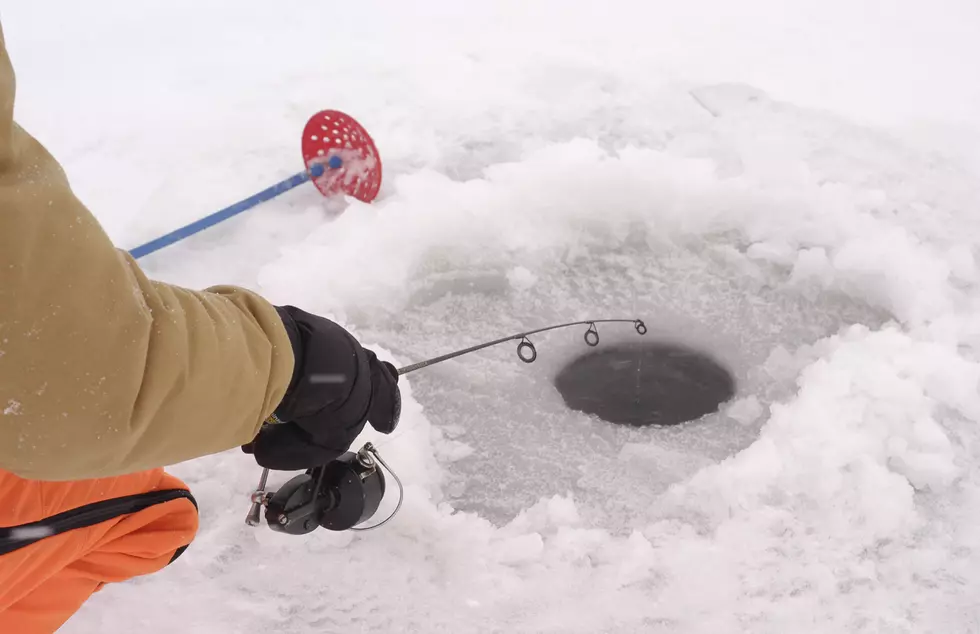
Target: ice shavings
(864,433)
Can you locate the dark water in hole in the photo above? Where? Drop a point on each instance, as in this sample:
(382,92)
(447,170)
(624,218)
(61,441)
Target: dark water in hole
(645,384)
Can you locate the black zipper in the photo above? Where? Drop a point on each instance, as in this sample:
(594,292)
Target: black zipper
(16,537)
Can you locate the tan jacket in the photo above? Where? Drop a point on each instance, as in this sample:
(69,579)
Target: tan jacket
(103,371)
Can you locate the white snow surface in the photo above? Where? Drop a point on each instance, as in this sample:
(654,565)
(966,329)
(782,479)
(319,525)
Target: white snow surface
(790,186)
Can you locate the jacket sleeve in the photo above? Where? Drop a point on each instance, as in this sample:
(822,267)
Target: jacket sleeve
(103,371)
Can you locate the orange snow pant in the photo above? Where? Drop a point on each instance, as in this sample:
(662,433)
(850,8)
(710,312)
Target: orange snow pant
(62,541)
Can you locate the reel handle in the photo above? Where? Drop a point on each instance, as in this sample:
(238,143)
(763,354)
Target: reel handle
(254,517)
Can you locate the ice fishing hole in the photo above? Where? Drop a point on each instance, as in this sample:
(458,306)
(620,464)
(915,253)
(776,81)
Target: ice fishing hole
(645,384)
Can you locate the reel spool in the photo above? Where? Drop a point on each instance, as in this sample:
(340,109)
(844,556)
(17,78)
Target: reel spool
(338,496)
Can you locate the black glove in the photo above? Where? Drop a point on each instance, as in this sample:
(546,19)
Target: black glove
(337,386)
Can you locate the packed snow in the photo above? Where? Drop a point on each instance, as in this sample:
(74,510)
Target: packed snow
(792,187)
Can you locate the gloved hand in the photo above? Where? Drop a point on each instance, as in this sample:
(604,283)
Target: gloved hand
(337,387)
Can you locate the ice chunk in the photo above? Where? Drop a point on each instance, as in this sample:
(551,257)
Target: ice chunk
(746,410)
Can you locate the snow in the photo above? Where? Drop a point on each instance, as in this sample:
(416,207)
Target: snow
(791,186)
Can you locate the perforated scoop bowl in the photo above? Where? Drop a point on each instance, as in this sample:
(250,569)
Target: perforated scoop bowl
(341,156)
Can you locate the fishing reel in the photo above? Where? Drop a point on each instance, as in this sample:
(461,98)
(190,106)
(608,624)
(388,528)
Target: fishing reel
(338,496)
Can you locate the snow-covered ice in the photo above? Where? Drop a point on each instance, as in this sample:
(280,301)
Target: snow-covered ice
(792,186)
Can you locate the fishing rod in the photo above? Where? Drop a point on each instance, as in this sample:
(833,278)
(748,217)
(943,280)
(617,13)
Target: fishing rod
(346,492)
(525,349)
